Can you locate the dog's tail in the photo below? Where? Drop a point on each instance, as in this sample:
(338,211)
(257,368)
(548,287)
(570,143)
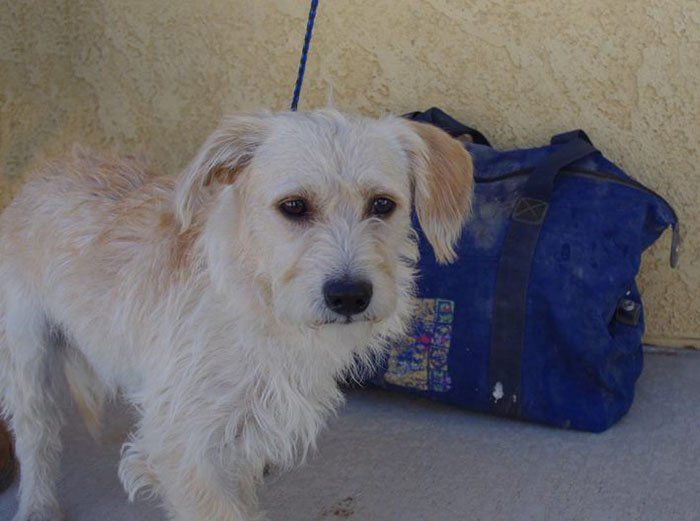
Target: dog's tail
(86,389)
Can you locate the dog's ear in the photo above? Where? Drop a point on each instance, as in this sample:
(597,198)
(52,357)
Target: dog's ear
(442,185)
(222,157)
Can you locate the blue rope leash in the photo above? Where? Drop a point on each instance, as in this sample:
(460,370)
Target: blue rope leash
(304,54)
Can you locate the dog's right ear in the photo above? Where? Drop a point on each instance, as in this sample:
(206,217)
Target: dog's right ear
(222,157)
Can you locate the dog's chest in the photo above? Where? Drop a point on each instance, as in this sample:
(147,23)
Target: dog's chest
(282,418)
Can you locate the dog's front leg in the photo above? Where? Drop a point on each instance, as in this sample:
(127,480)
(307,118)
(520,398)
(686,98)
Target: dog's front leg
(193,486)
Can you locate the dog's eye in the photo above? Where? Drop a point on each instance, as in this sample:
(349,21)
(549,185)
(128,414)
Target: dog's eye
(294,208)
(382,206)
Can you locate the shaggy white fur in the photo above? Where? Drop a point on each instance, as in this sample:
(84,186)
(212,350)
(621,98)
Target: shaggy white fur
(201,303)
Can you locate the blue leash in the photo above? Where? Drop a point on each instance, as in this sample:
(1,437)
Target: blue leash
(304,54)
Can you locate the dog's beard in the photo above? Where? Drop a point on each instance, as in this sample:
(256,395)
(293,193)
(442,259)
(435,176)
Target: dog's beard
(315,314)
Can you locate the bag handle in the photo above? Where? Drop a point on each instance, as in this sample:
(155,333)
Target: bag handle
(442,120)
(572,146)
(514,267)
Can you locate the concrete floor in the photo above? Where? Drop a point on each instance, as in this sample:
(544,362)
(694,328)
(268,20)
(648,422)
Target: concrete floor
(388,458)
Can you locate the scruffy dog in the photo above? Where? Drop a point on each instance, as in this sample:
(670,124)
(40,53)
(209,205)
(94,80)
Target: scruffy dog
(223,304)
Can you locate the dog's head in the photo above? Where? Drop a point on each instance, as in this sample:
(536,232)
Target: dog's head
(315,210)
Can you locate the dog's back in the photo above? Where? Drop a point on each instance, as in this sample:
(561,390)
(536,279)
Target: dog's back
(85,207)
(75,198)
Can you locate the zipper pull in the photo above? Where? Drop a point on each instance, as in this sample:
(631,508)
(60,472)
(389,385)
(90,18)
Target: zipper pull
(675,243)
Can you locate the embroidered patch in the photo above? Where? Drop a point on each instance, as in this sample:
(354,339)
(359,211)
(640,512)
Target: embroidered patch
(420,361)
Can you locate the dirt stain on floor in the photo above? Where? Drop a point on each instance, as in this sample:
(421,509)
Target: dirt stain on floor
(343,509)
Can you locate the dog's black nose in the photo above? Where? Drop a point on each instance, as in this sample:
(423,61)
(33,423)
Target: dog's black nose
(347,297)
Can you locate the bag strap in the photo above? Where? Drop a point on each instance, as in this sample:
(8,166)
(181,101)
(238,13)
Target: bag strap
(510,299)
(442,120)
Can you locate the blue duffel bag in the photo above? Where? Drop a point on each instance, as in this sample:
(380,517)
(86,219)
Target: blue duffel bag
(539,318)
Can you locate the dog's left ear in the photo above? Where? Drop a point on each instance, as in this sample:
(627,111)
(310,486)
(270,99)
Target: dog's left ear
(220,160)
(442,185)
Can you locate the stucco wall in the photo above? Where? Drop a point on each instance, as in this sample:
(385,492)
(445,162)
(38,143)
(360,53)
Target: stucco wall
(156,75)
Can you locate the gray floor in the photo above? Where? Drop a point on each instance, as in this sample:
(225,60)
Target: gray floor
(389,458)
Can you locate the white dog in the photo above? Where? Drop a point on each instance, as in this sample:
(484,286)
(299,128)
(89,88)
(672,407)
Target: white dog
(223,304)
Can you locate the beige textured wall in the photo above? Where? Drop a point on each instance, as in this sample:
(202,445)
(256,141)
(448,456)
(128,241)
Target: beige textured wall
(155,75)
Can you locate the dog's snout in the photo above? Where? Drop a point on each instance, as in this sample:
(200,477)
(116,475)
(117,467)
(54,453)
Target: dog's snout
(347,297)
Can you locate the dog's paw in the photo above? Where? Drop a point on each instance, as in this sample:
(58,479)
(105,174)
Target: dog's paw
(40,516)
(43,514)
(137,477)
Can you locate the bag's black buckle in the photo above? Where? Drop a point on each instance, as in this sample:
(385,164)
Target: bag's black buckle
(530,211)
(628,312)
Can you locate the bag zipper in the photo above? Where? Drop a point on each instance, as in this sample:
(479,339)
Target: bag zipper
(593,174)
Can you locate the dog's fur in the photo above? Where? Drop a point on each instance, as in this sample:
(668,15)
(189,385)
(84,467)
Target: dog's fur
(200,303)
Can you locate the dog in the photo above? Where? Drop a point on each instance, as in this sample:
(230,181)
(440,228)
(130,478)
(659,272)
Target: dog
(224,304)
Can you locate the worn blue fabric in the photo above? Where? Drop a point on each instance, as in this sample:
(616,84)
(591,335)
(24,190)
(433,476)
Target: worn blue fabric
(577,351)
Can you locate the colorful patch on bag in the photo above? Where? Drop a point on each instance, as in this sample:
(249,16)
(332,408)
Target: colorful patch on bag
(420,361)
